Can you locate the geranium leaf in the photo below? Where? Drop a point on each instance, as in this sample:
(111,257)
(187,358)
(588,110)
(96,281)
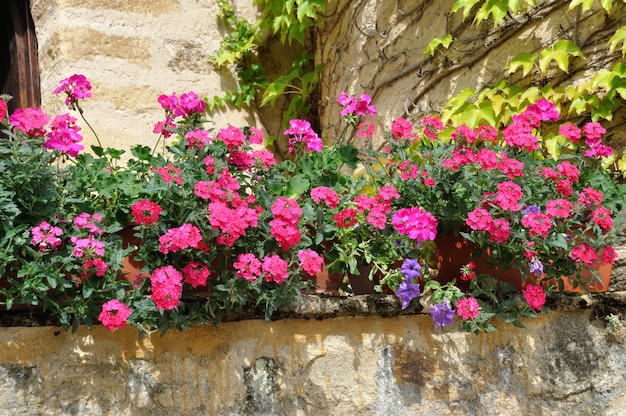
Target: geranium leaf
(297,186)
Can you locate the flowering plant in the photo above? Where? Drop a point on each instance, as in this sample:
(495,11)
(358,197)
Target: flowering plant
(535,196)
(202,217)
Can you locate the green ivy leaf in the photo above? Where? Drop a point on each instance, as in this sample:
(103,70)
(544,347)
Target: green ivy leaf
(524,60)
(618,36)
(435,43)
(586,4)
(560,53)
(466,5)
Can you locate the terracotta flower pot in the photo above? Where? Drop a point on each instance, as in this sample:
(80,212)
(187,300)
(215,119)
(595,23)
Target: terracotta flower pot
(131,269)
(326,282)
(454,251)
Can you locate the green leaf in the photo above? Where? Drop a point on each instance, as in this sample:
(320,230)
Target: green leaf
(524,60)
(586,4)
(297,186)
(495,8)
(474,114)
(350,155)
(466,5)
(97,150)
(607,4)
(560,53)
(618,36)
(435,43)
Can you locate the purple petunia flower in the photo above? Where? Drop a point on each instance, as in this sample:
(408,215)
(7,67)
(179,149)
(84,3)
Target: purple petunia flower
(531,209)
(442,314)
(408,291)
(411,269)
(536,266)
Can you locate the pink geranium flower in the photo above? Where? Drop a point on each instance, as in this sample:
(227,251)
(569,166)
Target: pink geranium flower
(114,315)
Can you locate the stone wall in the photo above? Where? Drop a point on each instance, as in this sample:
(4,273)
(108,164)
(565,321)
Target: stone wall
(377,47)
(564,363)
(132,52)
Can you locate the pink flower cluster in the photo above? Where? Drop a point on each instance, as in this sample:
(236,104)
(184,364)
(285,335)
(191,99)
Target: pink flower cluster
(30,121)
(310,261)
(328,195)
(63,135)
(416,223)
(185,106)
(467,308)
(284,226)
(114,315)
(274,268)
(46,236)
(166,285)
(146,212)
(356,106)
(301,133)
(535,296)
(196,273)
(76,87)
(176,239)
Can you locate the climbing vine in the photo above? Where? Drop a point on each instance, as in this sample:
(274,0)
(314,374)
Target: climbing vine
(286,22)
(533,74)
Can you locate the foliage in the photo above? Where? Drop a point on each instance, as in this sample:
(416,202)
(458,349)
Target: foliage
(289,20)
(596,97)
(535,195)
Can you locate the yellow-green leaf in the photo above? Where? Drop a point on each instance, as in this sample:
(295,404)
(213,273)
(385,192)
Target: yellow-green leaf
(552,147)
(436,42)
(466,5)
(607,4)
(560,53)
(618,36)
(524,60)
(586,4)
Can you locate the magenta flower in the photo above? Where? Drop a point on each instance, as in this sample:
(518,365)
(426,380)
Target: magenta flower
(602,217)
(300,131)
(63,135)
(401,128)
(232,137)
(46,236)
(196,273)
(275,269)
(467,308)
(248,266)
(323,193)
(535,296)
(310,261)
(166,285)
(417,223)
(176,239)
(30,121)
(146,212)
(584,254)
(114,315)
(76,87)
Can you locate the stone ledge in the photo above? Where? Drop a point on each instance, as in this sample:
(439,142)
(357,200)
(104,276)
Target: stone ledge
(386,306)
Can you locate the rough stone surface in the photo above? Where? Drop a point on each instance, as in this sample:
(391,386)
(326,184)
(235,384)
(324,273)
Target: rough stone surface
(563,363)
(132,52)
